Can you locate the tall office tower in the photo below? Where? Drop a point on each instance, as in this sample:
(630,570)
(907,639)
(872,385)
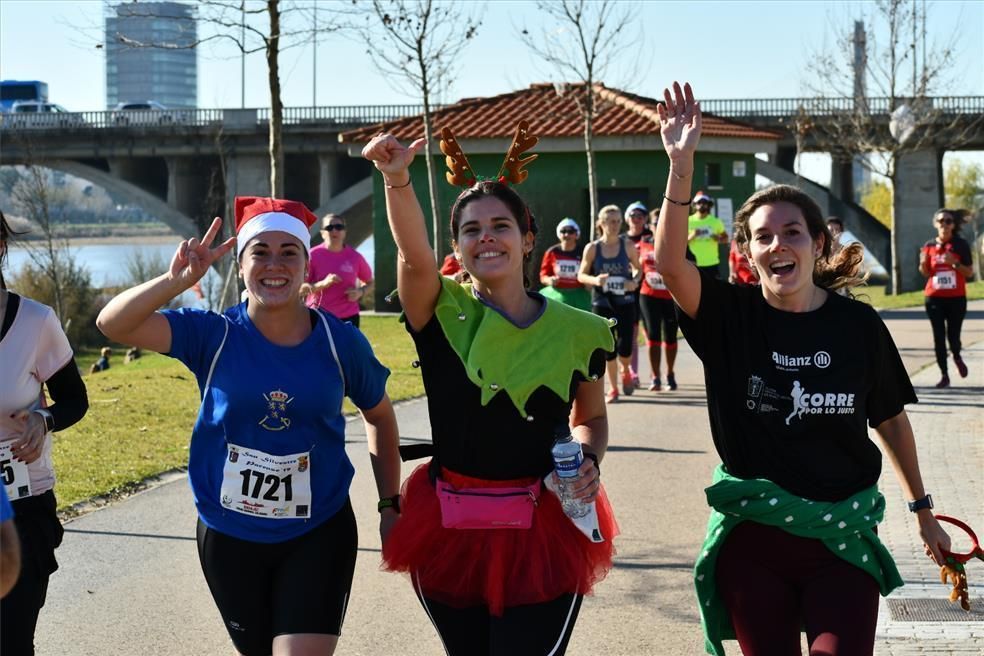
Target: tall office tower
(150,53)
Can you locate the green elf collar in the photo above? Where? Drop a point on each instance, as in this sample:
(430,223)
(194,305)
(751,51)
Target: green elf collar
(501,357)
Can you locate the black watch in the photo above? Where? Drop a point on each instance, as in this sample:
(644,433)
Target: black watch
(921,504)
(389,502)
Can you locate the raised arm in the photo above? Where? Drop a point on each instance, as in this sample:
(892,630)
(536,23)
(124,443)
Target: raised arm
(132,317)
(680,124)
(417,276)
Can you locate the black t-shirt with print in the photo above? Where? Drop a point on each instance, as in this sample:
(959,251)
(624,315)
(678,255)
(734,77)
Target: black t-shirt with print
(790,395)
(493,441)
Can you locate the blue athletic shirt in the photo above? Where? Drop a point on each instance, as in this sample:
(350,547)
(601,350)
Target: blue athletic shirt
(280,400)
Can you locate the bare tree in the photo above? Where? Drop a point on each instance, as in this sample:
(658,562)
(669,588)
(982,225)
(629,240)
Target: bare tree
(889,111)
(585,38)
(235,21)
(418,43)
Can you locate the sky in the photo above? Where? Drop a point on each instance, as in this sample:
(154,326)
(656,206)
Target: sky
(730,49)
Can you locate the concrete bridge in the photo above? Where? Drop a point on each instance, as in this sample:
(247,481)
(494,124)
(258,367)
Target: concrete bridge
(185,166)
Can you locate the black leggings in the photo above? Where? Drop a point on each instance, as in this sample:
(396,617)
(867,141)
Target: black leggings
(263,589)
(946,316)
(624,330)
(659,316)
(535,630)
(40,533)
(772,592)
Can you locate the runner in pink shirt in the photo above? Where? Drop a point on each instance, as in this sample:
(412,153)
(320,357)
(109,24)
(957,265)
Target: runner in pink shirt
(338,274)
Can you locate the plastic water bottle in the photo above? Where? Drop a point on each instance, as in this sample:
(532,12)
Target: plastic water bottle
(567,457)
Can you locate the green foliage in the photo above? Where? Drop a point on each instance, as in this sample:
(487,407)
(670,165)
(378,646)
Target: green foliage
(76,304)
(141,415)
(964,185)
(877,297)
(877,199)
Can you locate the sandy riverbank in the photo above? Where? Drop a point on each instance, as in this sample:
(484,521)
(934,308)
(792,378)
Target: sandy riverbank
(109,241)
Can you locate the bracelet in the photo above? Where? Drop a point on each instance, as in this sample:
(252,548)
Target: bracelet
(389,502)
(685,203)
(389,186)
(48,418)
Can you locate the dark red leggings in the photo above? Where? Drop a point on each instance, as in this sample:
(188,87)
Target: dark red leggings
(774,584)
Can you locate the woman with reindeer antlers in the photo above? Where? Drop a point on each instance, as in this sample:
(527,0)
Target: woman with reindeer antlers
(495,562)
(792,539)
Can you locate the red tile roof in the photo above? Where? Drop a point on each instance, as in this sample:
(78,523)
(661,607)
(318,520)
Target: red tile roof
(552,112)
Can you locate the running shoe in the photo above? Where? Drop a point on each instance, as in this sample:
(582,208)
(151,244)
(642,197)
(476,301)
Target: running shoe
(671,383)
(612,396)
(627,385)
(655,386)
(944,382)
(961,366)
(635,381)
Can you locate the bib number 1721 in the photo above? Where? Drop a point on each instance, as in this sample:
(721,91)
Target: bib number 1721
(258,481)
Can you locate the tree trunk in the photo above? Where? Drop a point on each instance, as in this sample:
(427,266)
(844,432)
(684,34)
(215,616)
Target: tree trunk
(276,105)
(429,160)
(589,153)
(896,266)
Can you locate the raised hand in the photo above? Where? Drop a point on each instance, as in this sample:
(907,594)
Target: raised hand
(389,155)
(679,121)
(193,257)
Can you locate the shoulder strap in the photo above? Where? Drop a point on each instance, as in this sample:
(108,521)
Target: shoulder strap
(215,358)
(334,351)
(13,302)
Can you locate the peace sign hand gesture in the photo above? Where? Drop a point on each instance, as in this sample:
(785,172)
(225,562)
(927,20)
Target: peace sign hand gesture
(193,258)
(679,122)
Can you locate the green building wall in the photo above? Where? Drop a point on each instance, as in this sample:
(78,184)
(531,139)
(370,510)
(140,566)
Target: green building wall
(556,188)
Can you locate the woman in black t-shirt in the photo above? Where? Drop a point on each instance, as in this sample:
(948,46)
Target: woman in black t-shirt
(789,405)
(504,369)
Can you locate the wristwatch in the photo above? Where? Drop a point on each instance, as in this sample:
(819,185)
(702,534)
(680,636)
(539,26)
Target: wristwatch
(49,420)
(921,504)
(389,502)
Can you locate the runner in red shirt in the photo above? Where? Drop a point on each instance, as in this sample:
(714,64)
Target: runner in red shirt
(946,263)
(559,267)
(658,314)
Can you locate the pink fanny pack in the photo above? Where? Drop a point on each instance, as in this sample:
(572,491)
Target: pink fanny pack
(487,507)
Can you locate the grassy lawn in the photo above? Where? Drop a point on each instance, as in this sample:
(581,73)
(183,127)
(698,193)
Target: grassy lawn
(141,415)
(876,296)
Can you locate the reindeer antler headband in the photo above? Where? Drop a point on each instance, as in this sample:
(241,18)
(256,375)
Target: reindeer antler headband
(460,172)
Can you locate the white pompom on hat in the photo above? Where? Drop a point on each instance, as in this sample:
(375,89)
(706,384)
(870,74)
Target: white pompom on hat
(568,222)
(257,214)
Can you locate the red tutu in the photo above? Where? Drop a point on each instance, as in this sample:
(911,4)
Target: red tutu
(496,567)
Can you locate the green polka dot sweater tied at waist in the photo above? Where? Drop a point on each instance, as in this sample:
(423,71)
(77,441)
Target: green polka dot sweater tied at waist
(845,527)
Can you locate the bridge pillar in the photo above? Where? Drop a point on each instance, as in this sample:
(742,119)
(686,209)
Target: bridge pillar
(785,158)
(328,186)
(247,175)
(842,178)
(186,188)
(148,173)
(918,193)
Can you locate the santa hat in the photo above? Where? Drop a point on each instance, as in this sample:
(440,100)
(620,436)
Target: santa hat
(568,223)
(702,197)
(256,214)
(634,207)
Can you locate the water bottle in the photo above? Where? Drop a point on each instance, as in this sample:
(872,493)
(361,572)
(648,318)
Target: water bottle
(567,457)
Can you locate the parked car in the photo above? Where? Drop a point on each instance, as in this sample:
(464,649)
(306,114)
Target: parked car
(37,114)
(148,112)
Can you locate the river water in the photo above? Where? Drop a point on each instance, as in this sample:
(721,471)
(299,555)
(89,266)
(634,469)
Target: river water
(107,262)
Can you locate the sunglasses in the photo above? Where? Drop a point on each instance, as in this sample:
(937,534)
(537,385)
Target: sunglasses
(945,221)
(568,231)
(332,227)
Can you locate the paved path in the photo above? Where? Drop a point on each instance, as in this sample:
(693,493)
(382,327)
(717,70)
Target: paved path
(130,581)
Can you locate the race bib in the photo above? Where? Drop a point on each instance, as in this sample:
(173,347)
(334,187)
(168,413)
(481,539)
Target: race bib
(566,269)
(700,233)
(945,280)
(15,475)
(263,485)
(615,285)
(654,280)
